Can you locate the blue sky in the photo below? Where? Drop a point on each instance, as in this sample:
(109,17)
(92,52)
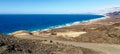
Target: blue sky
(53,6)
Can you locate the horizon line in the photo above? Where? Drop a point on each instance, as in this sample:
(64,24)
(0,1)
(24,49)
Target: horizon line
(47,13)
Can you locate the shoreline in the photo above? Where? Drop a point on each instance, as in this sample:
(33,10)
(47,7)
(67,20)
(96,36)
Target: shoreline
(72,24)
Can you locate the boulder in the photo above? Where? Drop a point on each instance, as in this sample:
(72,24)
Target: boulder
(53,33)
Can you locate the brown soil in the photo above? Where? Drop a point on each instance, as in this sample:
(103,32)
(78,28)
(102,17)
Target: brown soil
(100,31)
(12,45)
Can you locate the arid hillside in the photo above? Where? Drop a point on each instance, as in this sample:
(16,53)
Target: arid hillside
(12,45)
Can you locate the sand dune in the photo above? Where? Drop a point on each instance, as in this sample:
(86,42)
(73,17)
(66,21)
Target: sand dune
(70,34)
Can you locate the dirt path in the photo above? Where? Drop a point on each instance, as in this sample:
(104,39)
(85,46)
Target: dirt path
(105,48)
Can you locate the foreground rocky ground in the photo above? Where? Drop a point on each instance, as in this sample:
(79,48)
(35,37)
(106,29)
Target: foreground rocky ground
(13,45)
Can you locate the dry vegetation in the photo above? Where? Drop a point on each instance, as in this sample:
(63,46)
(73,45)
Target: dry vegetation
(12,45)
(108,32)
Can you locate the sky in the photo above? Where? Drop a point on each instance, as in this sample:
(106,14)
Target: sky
(54,6)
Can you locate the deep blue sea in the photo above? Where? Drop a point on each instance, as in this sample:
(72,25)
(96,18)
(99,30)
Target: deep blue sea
(14,22)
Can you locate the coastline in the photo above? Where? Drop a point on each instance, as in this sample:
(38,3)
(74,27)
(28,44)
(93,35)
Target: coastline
(73,23)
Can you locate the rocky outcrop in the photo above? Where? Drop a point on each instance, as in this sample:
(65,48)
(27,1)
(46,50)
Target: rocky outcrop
(21,32)
(115,14)
(35,33)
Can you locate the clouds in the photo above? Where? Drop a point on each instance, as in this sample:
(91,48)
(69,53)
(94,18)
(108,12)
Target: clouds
(107,9)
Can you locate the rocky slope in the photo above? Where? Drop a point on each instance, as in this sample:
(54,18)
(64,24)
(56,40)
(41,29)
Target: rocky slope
(12,45)
(101,31)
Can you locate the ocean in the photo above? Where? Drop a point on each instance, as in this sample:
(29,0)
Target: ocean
(31,22)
